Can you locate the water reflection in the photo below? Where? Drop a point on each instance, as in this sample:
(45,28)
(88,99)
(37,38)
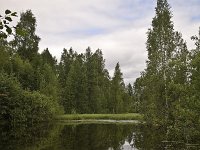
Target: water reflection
(95,136)
(28,137)
(89,137)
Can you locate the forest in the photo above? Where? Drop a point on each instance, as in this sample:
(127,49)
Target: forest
(36,86)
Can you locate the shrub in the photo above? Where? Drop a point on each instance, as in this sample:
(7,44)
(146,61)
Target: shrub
(18,105)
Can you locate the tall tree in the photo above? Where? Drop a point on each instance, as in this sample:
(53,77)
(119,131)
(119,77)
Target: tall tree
(24,72)
(67,58)
(166,50)
(48,83)
(159,46)
(26,43)
(130,104)
(192,104)
(97,80)
(75,96)
(49,59)
(117,90)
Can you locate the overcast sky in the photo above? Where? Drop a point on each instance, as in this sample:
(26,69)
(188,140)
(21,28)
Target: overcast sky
(117,27)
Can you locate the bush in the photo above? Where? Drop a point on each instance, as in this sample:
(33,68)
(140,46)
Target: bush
(18,105)
(10,97)
(40,107)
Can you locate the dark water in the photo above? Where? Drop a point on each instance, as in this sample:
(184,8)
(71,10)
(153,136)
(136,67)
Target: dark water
(73,136)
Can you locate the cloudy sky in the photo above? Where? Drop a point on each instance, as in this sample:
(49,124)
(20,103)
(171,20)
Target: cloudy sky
(118,27)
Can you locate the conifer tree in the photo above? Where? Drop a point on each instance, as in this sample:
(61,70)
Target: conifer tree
(67,58)
(49,59)
(75,96)
(117,91)
(97,79)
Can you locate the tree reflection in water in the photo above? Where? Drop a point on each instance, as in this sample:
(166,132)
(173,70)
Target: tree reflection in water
(91,137)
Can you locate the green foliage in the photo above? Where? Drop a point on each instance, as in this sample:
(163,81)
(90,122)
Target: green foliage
(4,57)
(161,86)
(168,90)
(48,81)
(26,41)
(86,86)
(10,97)
(40,107)
(24,72)
(65,63)
(5,28)
(97,81)
(76,88)
(18,105)
(117,91)
(49,59)
(35,90)
(41,86)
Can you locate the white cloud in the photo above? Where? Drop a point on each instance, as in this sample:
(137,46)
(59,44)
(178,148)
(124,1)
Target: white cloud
(183,13)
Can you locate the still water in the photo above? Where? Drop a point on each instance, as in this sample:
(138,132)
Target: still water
(88,136)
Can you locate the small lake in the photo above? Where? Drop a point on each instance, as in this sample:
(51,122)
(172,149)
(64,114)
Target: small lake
(88,136)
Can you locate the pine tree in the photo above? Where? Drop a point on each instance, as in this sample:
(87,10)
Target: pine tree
(67,58)
(97,80)
(75,95)
(130,104)
(117,91)
(49,59)
(48,82)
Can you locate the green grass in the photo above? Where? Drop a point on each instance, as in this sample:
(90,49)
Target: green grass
(129,116)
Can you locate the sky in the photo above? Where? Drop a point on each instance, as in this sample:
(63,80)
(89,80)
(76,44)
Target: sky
(117,27)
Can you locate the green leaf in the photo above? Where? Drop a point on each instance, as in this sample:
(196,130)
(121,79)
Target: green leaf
(9,30)
(4,36)
(7,11)
(8,18)
(20,32)
(1,27)
(14,14)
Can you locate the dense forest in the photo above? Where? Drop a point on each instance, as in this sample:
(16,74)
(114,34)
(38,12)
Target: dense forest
(36,86)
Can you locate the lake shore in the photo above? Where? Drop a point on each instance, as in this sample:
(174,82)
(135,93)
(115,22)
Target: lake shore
(103,117)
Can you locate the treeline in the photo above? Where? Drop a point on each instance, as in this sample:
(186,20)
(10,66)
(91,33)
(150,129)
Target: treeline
(86,86)
(35,86)
(169,88)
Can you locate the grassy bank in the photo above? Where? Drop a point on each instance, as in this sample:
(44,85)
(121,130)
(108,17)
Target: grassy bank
(130,116)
